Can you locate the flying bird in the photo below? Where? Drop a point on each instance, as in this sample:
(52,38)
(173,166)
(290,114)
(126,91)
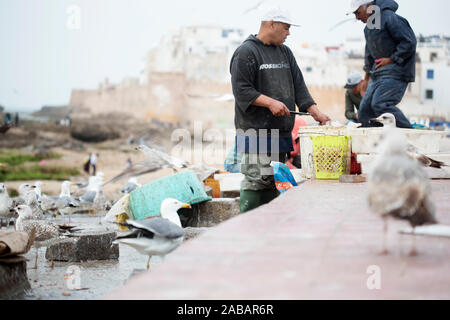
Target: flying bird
(388,121)
(398,186)
(156,236)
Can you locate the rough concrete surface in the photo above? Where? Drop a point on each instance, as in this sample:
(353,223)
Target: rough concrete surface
(211,213)
(317,241)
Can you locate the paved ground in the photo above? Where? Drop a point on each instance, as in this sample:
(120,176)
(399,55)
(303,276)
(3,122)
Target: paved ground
(315,242)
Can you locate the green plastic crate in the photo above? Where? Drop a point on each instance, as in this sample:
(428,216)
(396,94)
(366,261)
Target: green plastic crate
(184,186)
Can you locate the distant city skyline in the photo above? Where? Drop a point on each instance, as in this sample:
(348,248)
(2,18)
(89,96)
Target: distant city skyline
(51,47)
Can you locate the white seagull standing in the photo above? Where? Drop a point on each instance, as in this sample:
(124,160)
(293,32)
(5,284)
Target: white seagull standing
(6,204)
(66,203)
(28,195)
(156,236)
(398,186)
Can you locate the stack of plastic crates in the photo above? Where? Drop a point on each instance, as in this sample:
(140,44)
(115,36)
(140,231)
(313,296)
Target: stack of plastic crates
(330,156)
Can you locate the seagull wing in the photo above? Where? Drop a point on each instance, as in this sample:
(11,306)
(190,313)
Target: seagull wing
(159,226)
(134,171)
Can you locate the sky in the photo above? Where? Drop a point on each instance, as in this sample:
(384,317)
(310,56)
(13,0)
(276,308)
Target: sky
(50,47)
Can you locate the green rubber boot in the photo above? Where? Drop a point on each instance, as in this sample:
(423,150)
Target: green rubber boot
(251,199)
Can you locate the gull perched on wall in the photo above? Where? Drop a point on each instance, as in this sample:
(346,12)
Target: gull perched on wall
(398,186)
(388,121)
(156,236)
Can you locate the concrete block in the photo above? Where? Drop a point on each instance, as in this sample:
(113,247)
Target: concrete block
(85,247)
(13,278)
(230,194)
(190,232)
(211,213)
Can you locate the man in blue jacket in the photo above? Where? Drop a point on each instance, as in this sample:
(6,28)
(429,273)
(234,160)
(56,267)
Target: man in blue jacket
(390,59)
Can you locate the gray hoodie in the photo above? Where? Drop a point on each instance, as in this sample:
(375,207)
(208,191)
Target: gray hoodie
(258,69)
(396,40)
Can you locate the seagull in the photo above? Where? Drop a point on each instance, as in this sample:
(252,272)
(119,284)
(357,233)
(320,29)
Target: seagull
(398,186)
(155,160)
(65,202)
(28,196)
(130,186)
(88,198)
(45,233)
(6,204)
(156,236)
(100,204)
(388,121)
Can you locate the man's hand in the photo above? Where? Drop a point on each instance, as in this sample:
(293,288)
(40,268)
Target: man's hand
(383,62)
(279,109)
(318,115)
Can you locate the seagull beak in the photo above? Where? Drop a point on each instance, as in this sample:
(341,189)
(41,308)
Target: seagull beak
(376,120)
(186,206)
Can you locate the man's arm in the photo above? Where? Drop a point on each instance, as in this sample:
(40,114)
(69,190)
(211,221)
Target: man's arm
(403,34)
(349,108)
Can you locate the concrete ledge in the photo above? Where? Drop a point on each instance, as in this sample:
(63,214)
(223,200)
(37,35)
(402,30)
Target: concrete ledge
(316,241)
(85,247)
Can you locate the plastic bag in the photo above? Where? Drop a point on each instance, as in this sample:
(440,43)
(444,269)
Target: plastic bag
(284,180)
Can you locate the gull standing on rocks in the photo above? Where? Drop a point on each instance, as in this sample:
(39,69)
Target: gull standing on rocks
(6,204)
(45,233)
(398,186)
(66,203)
(156,236)
(28,195)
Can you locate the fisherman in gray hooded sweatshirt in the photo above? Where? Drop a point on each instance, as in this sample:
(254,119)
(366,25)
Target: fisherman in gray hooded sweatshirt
(267,85)
(390,59)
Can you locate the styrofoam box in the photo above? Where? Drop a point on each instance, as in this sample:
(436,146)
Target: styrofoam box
(426,141)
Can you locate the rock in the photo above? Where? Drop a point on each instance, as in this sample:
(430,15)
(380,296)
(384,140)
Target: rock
(211,213)
(85,247)
(92,132)
(190,232)
(13,278)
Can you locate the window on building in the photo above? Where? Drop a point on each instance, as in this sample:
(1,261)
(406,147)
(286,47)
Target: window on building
(433,56)
(430,74)
(429,94)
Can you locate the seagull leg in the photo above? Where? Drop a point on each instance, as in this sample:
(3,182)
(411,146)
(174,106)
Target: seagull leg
(413,251)
(148,262)
(384,250)
(35,258)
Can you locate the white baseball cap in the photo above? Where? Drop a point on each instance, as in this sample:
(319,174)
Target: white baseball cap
(355,4)
(278,15)
(353,79)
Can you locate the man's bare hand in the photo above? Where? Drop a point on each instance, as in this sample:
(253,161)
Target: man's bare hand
(383,62)
(279,109)
(318,115)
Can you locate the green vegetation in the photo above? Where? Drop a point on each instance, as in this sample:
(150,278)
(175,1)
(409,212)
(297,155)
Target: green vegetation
(15,166)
